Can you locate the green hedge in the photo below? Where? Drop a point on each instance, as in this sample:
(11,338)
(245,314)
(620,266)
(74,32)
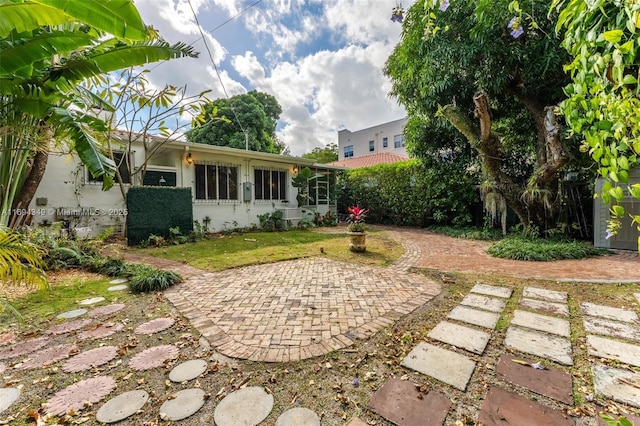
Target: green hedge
(153,210)
(410,194)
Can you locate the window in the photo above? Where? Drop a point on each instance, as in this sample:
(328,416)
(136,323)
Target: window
(398,141)
(372,146)
(385,142)
(123,167)
(270,184)
(348,151)
(216,182)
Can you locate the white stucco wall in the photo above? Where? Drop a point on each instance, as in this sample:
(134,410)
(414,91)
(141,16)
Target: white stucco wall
(360,139)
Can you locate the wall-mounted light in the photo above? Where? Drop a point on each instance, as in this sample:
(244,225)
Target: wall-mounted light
(295,169)
(189,158)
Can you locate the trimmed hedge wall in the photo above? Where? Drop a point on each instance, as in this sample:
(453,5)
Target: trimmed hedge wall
(153,210)
(411,194)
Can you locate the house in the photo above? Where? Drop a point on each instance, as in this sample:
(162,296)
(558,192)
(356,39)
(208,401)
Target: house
(230,187)
(386,138)
(627,236)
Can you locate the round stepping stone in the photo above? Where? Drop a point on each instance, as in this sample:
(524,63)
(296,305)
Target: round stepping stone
(118,287)
(232,410)
(23,348)
(188,370)
(49,356)
(119,281)
(298,416)
(2,368)
(71,314)
(7,397)
(153,357)
(75,397)
(89,359)
(92,300)
(154,326)
(122,406)
(68,327)
(105,310)
(101,331)
(186,403)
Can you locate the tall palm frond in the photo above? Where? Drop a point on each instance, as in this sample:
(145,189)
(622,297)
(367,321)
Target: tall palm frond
(20,261)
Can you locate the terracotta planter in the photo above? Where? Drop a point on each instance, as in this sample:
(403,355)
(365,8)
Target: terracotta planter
(358,242)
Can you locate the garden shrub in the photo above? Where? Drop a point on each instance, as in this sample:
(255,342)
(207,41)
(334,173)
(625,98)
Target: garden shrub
(410,194)
(271,221)
(537,249)
(145,279)
(469,232)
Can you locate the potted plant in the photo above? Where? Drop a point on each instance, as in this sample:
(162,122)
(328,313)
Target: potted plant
(357,228)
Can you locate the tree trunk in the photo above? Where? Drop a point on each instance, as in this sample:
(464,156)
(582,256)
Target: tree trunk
(537,203)
(31,183)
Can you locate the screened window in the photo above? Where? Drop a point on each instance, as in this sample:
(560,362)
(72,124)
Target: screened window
(372,146)
(270,184)
(216,182)
(398,141)
(123,167)
(348,151)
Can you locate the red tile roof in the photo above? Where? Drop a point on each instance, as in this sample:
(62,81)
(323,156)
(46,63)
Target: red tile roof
(370,160)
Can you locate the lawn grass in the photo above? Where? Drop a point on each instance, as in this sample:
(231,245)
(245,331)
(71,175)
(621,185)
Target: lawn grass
(234,250)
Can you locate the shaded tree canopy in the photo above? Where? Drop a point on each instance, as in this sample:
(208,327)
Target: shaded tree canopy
(464,66)
(323,155)
(224,120)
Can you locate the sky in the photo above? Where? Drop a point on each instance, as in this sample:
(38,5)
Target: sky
(323,60)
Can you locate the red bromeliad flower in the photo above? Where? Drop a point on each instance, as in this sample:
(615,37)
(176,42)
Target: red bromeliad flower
(356,214)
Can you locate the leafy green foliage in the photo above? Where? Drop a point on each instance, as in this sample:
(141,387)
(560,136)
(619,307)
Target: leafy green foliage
(323,155)
(410,193)
(468,232)
(255,112)
(19,260)
(271,222)
(145,279)
(603,105)
(519,248)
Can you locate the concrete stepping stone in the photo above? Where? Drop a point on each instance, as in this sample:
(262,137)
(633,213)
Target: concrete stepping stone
(103,311)
(23,348)
(501,407)
(357,422)
(492,290)
(619,385)
(119,281)
(232,410)
(154,326)
(539,322)
(118,287)
(68,326)
(122,406)
(637,296)
(153,357)
(400,402)
(544,307)
(544,294)
(613,349)
(474,316)
(551,382)
(483,302)
(539,344)
(101,331)
(447,366)
(186,403)
(460,336)
(76,396)
(49,356)
(298,416)
(89,359)
(607,327)
(188,370)
(617,314)
(71,314)
(7,397)
(92,301)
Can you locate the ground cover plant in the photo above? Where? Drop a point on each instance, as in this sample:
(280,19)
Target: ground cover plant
(225,251)
(521,248)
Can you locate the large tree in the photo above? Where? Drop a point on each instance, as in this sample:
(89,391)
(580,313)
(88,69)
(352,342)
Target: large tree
(47,49)
(324,155)
(471,65)
(248,121)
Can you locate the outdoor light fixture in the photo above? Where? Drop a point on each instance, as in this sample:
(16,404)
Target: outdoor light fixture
(189,158)
(295,169)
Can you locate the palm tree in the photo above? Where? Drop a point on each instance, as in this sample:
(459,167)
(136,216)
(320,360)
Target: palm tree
(48,48)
